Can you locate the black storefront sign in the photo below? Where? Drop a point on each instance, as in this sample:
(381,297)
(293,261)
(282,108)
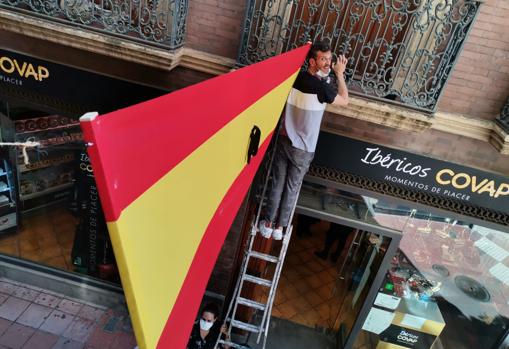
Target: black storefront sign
(92,252)
(407,338)
(413,171)
(90,91)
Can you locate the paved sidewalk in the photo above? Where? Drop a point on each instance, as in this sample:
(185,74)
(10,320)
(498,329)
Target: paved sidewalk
(34,318)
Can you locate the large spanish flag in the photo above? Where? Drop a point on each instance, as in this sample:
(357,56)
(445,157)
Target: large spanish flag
(171,174)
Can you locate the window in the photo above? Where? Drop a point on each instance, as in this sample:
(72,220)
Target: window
(398,50)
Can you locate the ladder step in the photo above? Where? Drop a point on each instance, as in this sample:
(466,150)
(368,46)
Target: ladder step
(244,326)
(257,280)
(232,345)
(265,257)
(252,304)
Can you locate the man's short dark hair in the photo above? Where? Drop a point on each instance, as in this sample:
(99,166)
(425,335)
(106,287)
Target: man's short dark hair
(318,46)
(211,308)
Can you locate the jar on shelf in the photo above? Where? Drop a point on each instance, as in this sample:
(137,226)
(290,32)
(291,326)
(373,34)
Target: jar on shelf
(42,123)
(64,120)
(30,125)
(53,121)
(19,126)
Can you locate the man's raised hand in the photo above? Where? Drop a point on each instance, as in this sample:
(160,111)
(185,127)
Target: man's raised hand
(340,66)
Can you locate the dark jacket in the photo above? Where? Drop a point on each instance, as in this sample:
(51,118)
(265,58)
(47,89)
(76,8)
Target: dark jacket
(196,342)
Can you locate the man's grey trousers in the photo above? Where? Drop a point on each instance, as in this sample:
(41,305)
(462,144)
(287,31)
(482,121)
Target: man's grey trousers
(288,169)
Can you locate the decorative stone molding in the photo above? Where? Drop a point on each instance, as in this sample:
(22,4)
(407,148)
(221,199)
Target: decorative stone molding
(458,124)
(404,119)
(383,114)
(206,62)
(407,120)
(499,138)
(503,118)
(111,46)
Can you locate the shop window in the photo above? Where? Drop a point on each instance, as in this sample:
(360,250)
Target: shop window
(446,287)
(50,211)
(368,273)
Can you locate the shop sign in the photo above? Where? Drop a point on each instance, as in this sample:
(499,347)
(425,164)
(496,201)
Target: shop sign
(92,253)
(15,71)
(397,337)
(72,86)
(28,73)
(413,171)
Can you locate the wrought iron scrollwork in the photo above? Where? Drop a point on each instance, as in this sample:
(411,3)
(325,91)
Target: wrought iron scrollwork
(401,50)
(157,22)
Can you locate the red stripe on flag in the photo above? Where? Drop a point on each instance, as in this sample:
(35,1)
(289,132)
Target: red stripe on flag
(180,322)
(171,127)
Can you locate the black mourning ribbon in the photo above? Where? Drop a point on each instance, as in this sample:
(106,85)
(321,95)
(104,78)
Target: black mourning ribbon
(254,142)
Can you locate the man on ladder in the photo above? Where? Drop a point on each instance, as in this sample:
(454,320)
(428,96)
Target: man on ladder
(294,151)
(296,144)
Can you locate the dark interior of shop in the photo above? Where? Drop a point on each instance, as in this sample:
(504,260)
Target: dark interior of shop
(439,287)
(50,211)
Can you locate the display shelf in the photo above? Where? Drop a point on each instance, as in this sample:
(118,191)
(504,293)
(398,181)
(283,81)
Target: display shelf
(8,204)
(56,128)
(46,191)
(48,142)
(48,147)
(23,169)
(38,165)
(26,212)
(49,162)
(2,202)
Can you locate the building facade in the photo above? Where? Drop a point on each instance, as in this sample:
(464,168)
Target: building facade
(429,84)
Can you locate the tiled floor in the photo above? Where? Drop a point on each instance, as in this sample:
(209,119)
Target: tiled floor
(33,318)
(306,293)
(46,237)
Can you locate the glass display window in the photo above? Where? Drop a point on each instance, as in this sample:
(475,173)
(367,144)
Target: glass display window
(450,278)
(444,284)
(55,216)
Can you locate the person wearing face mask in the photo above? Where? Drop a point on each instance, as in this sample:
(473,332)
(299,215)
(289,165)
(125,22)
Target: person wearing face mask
(295,147)
(205,331)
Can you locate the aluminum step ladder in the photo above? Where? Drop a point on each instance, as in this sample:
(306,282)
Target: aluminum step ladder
(244,278)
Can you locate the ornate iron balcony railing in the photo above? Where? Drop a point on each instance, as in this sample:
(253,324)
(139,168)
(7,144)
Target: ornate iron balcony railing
(400,50)
(156,22)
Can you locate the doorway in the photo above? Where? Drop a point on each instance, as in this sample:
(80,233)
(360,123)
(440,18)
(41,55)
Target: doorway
(336,258)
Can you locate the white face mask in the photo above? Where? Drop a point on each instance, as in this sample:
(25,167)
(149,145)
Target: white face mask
(322,74)
(205,326)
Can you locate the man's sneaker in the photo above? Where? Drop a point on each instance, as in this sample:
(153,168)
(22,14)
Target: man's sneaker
(277,234)
(265,229)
